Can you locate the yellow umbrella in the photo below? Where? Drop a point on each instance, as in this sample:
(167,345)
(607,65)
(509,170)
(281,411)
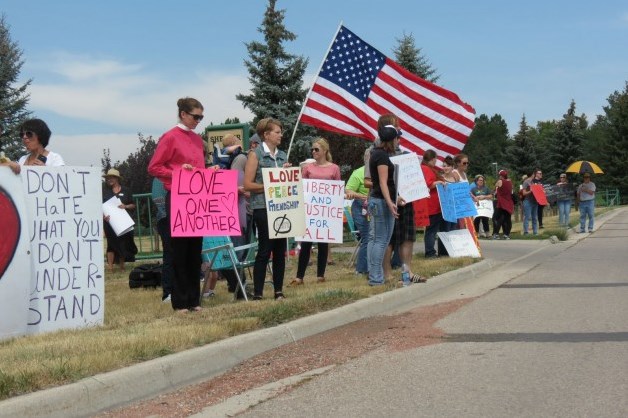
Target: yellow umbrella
(584,167)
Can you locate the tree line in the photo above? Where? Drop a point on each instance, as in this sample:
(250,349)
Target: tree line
(276,78)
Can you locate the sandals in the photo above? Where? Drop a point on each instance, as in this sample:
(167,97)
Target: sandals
(417,278)
(296,282)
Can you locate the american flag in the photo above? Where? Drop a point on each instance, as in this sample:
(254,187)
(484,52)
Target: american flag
(357,84)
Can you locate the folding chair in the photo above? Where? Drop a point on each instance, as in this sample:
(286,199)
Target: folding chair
(355,234)
(221,254)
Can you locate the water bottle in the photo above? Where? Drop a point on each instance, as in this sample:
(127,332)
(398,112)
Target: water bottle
(405,275)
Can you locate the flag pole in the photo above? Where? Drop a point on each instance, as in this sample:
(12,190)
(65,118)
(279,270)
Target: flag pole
(296,125)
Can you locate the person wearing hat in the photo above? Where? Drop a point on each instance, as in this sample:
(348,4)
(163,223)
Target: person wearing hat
(480,191)
(586,196)
(382,204)
(121,248)
(505,206)
(35,136)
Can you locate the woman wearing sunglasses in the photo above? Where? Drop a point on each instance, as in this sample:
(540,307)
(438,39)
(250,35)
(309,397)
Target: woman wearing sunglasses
(35,136)
(323,169)
(182,148)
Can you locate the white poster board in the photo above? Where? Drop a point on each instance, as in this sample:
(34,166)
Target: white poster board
(64,206)
(324,210)
(409,177)
(485,208)
(15,266)
(285,208)
(119,219)
(459,243)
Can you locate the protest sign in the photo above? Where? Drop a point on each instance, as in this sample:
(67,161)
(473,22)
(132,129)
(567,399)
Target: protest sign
(15,265)
(485,208)
(119,219)
(324,211)
(204,203)
(455,201)
(283,192)
(459,243)
(64,218)
(421,216)
(409,178)
(539,193)
(556,192)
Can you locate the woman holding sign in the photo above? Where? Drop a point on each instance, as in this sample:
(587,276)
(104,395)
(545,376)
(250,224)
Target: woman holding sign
(119,248)
(182,148)
(382,205)
(266,155)
(323,169)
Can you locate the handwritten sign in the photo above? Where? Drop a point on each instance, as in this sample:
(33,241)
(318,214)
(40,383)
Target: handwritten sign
(64,216)
(556,192)
(324,211)
(409,177)
(283,191)
(204,203)
(455,201)
(485,208)
(421,216)
(539,194)
(459,243)
(15,265)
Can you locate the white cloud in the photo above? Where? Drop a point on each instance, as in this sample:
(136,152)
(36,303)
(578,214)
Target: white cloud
(87,150)
(128,97)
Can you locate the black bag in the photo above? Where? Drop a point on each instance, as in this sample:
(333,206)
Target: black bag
(145,275)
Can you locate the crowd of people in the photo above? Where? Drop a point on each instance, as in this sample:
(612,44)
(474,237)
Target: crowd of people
(386,223)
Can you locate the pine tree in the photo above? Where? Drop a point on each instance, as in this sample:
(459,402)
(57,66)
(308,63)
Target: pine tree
(565,146)
(486,145)
(614,154)
(409,57)
(521,154)
(276,76)
(13,98)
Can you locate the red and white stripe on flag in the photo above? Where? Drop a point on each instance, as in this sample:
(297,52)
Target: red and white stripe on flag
(357,84)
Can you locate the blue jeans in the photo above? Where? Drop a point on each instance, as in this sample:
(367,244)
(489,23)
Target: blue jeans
(564,206)
(586,209)
(437,224)
(530,212)
(362,225)
(380,231)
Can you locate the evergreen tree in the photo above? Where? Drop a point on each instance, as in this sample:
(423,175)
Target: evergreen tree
(521,154)
(409,57)
(614,154)
(486,145)
(565,146)
(276,76)
(13,97)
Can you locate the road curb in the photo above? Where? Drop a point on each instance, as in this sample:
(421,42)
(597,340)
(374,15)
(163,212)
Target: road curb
(144,380)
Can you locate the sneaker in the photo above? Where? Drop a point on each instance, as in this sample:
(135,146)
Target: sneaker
(209,294)
(166,299)
(495,236)
(506,237)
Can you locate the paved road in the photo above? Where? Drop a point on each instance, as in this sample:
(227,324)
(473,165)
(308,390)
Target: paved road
(553,341)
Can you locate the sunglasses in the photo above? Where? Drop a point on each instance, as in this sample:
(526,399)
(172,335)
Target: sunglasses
(465,163)
(316,149)
(27,134)
(197,118)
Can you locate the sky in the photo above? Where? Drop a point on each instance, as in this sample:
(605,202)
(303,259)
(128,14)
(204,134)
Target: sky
(104,71)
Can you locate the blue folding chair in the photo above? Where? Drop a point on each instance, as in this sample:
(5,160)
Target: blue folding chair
(221,254)
(355,234)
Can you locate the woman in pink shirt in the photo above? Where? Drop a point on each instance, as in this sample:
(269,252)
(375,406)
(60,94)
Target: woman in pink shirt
(322,168)
(182,148)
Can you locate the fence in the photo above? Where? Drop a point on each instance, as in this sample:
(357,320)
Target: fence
(146,237)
